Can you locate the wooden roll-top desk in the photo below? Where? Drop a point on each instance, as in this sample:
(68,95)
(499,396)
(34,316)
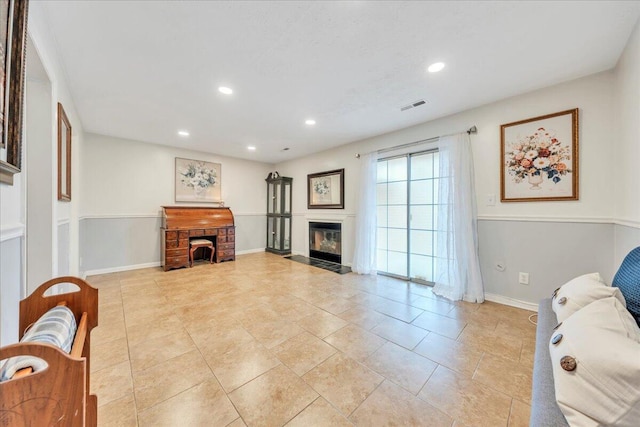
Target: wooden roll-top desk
(182,223)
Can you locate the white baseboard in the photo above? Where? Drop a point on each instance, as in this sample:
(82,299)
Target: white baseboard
(511,302)
(250,251)
(147,265)
(123,268)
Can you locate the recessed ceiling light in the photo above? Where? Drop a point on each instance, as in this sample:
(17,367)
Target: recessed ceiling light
(225,90)
(183,133)
(434,68)
(310,122)
(251,148)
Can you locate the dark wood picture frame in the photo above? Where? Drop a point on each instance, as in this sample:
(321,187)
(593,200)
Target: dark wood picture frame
(325,190)
(12,110)
(539,158)
(64,156)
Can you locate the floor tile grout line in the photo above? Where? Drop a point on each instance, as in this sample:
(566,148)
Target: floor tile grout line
(366,398)
(133,386)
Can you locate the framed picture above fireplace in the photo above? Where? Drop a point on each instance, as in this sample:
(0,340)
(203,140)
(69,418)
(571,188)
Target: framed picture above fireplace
(325,190)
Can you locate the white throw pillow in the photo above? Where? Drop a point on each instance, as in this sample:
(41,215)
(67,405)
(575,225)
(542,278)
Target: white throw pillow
(580,292)
(595,356)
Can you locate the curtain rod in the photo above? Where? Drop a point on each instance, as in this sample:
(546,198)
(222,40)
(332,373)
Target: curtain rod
(472,129)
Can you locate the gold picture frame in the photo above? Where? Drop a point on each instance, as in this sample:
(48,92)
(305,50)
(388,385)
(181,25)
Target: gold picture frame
(539,158)
(64,156)
(13,41)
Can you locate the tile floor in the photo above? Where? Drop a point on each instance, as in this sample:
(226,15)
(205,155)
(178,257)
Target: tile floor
(264,341)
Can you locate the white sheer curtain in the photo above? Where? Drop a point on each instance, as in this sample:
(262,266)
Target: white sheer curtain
(364,254)
(457,272)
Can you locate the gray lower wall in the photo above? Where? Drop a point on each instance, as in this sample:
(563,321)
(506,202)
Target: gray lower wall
(625,238)
(551,252)
(107,243)
(10,289)
(63,250)
(251,232)
(111,243)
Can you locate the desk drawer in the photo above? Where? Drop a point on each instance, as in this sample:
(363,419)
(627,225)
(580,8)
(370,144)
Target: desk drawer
(226,256)
(171,235)
(211,232)
(183,235)
(177,261)
(177,252)
(196,233)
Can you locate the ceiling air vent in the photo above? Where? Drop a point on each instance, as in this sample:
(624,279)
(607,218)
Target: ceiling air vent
(413,105)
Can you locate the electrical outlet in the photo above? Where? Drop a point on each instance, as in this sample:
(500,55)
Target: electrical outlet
(523,278)
(491,199)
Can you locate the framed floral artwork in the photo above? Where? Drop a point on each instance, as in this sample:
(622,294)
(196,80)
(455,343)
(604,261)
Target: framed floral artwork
(325,190)
(197,181)
(539,158)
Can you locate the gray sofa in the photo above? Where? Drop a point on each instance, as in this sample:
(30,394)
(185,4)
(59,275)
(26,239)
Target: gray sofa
(544,409)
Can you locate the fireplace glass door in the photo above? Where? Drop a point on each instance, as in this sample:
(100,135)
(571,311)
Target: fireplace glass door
(325,241)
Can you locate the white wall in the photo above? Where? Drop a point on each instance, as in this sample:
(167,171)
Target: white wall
(627,147)
(11,256)
(126,182)
(41,251)
(593,95)
(63,212)
(13,201)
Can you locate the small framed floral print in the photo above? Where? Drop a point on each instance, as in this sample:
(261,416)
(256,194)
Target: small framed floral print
(539,158)
(325,190)
(197,181)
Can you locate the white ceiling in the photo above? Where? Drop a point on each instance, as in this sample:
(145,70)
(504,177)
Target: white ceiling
(143,70)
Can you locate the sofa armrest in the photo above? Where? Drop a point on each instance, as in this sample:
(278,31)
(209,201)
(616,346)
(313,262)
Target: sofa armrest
(544,409)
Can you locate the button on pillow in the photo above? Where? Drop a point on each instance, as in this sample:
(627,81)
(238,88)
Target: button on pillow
(580,292)
(596,366)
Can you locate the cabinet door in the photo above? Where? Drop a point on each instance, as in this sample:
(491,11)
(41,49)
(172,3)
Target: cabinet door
(271,232)
(287,198)
(271,197)
(277,235)
(277,188)
(286,243)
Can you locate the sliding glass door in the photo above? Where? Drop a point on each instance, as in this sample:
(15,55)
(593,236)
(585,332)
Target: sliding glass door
(407,188)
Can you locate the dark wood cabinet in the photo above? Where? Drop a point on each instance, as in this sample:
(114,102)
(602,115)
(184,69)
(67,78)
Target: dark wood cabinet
(279,214)
(182,223)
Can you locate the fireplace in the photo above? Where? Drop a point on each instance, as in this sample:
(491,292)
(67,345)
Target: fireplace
(325,241)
